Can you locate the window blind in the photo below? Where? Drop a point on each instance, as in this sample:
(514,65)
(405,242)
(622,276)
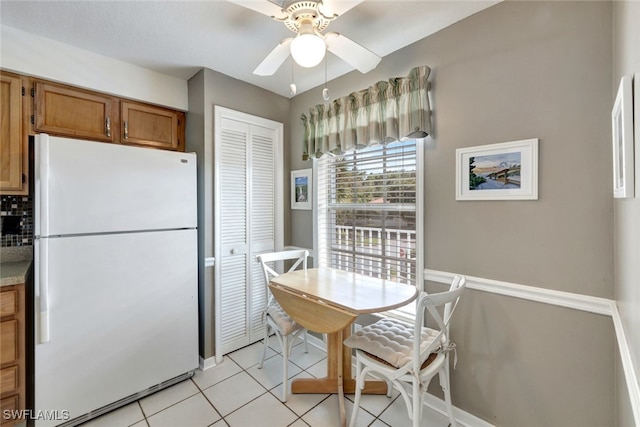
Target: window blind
(367,211)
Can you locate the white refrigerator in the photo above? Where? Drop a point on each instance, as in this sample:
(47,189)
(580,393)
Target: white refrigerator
(115,295)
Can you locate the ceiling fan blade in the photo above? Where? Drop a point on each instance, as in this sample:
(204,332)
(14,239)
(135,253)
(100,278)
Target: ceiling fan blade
(264,7)
(274,59)
(338,7)
(359,57)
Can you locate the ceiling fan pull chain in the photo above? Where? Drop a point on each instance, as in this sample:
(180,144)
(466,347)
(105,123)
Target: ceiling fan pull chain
(325,91)
(292,87)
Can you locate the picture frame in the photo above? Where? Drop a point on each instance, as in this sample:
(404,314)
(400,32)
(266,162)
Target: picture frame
(636,129)
(502,171)
(301,189)
(622,140)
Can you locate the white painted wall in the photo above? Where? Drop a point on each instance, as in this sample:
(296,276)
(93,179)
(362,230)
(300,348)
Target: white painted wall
(37,56)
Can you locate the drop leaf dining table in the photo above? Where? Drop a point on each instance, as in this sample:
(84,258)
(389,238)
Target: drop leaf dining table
(328,300)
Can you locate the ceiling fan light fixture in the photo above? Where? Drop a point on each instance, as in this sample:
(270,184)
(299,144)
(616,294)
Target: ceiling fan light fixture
(308,48)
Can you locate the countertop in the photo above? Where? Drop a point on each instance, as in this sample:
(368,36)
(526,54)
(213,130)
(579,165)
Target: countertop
(14,265)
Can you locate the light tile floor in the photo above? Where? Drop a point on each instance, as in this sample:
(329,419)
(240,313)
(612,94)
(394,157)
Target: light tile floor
(238,394)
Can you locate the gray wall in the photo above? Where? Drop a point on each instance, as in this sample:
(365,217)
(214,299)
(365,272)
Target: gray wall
(206,89)
(626,43)
(514,71)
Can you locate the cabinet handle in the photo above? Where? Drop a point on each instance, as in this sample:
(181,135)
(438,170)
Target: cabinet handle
(126,130)
(234,251)
(108,126)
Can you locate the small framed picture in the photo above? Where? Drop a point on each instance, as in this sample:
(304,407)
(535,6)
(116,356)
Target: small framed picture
(504,171)
(622,140)
(301,189)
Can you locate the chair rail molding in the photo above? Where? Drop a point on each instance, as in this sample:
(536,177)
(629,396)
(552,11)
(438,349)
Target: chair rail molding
(548,296)
(574,301)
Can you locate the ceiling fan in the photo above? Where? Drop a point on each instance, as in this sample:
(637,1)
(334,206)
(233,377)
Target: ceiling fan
(308,18)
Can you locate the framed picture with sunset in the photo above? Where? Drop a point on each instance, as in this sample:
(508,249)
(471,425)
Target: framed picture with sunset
(503,171)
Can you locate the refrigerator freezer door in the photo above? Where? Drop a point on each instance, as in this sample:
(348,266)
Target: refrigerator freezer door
(123,316)
(118,188)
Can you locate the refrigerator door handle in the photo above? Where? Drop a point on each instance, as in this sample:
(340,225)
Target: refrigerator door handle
(42,185)
(43,288)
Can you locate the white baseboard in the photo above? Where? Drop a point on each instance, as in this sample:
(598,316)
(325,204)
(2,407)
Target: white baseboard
(463,418)
(207,363)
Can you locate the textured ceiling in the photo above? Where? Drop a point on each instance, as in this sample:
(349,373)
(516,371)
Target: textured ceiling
(178,38)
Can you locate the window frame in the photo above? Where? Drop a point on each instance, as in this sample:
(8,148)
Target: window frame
(408,312)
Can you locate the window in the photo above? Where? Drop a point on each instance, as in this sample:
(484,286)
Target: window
(370,211)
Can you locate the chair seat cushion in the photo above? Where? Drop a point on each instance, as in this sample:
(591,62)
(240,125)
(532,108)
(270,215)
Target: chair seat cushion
(390,340)
(280,317)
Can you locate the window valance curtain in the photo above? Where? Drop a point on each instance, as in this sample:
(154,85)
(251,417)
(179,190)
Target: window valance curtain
(391,110)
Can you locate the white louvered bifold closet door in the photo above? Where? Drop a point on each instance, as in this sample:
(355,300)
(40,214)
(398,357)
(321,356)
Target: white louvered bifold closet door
(262,221)
(234,216)
(247,227)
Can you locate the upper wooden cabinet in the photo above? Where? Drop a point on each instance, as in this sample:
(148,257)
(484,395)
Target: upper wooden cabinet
(14,143)
(65,111)
(152,126)
(77,113)
(29,105)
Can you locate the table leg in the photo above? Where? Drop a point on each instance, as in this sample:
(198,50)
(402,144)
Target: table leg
(337,355)
(341,368)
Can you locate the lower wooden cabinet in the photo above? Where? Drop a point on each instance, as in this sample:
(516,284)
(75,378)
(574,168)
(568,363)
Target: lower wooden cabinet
(12,352)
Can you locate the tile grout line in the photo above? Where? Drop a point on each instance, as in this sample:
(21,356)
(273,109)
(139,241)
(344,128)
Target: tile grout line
(210,402)
(298,418)
(266,391)
(173,404)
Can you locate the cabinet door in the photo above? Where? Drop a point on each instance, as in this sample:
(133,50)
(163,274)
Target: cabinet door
(11,404)
(150,126)
(9,340)
(9,380)
(60,110)
(13,142)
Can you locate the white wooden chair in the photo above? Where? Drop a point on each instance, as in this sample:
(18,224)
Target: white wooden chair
(408,355)
(275,317)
